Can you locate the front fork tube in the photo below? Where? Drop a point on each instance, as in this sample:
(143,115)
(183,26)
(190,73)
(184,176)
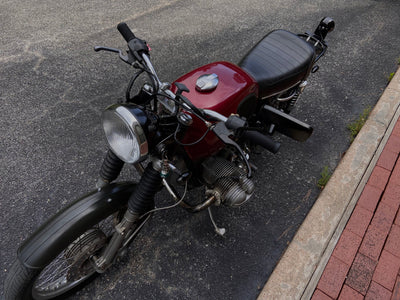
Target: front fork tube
(140,202)
(111,168)
(110,252)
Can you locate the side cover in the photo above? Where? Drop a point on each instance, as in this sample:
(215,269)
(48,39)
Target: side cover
(63,228)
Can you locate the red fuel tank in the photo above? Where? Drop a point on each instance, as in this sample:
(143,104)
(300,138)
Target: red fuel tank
(235,92)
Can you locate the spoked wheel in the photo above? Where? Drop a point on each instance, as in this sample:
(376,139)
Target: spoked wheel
(72,266)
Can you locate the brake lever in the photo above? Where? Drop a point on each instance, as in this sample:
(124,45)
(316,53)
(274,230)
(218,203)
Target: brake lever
(124,58)
(223,133)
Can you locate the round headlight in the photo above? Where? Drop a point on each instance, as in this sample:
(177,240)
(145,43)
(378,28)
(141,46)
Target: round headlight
(124,132)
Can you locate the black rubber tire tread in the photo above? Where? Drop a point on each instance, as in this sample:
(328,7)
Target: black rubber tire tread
(17,281)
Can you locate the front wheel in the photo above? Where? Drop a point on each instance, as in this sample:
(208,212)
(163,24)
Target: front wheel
(72,266)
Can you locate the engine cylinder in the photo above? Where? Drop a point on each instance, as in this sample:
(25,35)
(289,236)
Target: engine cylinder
(227,180)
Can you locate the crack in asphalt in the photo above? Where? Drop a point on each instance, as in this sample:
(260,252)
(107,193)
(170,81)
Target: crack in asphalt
(152,10)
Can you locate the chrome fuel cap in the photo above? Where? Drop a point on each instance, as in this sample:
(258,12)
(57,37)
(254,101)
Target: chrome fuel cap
(207,82)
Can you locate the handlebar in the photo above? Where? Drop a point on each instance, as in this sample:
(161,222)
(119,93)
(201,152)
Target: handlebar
(137,47)
(125,31)
(235,122)
(262,140)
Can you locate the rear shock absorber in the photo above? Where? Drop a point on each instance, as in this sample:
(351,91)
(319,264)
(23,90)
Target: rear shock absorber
(296,95)
(290,104)
(110,169)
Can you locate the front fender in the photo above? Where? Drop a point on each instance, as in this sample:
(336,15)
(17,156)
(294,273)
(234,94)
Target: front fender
(64,227)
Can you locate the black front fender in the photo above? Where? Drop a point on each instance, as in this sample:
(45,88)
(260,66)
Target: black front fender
(64,227)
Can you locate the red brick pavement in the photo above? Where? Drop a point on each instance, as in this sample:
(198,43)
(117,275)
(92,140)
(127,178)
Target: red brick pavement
(365,263)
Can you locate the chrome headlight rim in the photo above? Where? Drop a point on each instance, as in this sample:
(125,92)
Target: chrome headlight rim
(134,120)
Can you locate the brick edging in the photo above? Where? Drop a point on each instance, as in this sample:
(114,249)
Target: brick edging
(301,266)
(366,259)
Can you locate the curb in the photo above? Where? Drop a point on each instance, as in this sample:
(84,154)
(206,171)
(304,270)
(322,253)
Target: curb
(299,269)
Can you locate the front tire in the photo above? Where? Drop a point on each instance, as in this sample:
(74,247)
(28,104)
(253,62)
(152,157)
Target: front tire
(18,281)
(70,268)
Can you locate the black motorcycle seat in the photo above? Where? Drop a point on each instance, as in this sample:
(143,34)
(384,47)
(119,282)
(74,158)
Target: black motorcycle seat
(279,61)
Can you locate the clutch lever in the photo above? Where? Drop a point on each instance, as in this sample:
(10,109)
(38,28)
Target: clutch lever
(223,133)
(124,58)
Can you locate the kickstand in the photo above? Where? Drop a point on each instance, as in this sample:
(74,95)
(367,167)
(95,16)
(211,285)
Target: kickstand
(219,231)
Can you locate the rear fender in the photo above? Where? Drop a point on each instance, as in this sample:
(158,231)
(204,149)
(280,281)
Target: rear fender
(64,227)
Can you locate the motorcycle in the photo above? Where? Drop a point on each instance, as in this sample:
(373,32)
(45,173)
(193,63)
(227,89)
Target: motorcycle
(198,132)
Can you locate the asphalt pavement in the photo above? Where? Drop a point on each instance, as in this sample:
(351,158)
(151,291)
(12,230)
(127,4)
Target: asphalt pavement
(53,87)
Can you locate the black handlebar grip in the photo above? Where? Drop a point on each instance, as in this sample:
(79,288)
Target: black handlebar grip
(262,140)
(125,31)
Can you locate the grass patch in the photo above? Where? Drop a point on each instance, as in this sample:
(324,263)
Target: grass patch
(356,126)
(325,176)
(390,77)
